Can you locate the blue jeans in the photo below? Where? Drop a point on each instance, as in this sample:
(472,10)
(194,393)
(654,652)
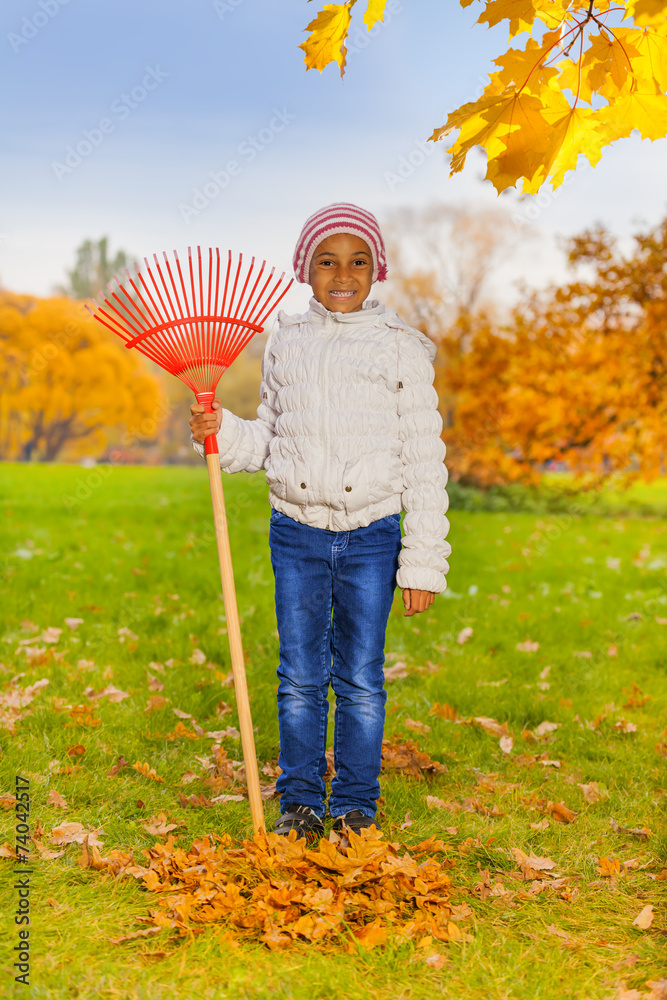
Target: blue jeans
(334,591)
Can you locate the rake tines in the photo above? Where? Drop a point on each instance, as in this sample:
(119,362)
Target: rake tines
(192,325)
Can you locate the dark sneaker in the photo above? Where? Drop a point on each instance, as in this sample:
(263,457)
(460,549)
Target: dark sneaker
(355,820)
(303,819)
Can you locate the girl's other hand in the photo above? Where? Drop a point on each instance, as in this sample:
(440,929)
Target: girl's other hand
(417,601)
(202,423)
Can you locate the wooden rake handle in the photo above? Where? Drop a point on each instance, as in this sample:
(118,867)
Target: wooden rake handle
(234,636)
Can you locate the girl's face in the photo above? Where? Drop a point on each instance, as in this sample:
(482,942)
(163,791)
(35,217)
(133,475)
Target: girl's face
(341,272)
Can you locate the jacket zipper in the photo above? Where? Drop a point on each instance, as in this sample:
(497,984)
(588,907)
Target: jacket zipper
(325,422)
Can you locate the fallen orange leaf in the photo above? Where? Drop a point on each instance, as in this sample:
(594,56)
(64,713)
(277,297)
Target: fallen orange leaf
(623,993)
(419,727)
(372,935)
(54,798)
(147,771)
(74,833)
(492,726)
(644,918)
(609,867)
(506,744)
(118,766)
(443,711)
(159,825)
(433,802)
(560,812)
(641,833)
(591,792)
(530,862)
(195,800)
(396,673)
(546,727)
(409,758)
(155,702)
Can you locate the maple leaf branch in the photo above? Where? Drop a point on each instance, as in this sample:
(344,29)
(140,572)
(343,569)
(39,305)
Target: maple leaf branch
(625,53)
(581,56)
(544,56)
(578,27)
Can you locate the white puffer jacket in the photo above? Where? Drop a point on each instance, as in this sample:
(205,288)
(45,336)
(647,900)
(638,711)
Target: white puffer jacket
(348,431)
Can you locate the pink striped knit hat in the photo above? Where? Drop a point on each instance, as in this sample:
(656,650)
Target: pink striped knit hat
(341,217)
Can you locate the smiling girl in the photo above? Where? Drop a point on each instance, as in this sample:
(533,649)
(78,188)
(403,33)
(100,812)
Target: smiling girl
(348,432)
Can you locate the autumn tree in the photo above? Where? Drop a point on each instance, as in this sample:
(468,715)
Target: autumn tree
(93,269)
(588,73)
(443,257)
(578,374)
(66,384)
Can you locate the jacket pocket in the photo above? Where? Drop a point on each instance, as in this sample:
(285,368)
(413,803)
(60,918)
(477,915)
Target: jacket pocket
(369,480)
(298,485)
(355,485)
(291,480)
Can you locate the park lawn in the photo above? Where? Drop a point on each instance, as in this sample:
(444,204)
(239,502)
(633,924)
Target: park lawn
(639,498)
(132,548)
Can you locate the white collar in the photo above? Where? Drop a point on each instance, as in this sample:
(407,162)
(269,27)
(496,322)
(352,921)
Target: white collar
(370,310)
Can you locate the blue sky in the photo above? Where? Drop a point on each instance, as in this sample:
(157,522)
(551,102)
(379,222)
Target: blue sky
(229,84)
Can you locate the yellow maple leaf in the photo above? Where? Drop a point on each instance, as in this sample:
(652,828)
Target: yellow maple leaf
(634,110)
(522,13)
(651,62)
(326,43)
(524,68)
(461,116)
(573,78)
(374,12)
(648,11)
(608,60)
(573,133)
(488,123)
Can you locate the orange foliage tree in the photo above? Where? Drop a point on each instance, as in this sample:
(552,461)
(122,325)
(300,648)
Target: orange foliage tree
(66,384)
(442,259)
(577,374)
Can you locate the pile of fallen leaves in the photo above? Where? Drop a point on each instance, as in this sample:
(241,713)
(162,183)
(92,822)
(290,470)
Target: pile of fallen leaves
(360,890)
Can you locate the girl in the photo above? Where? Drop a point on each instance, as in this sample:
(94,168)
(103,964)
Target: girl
(348,431)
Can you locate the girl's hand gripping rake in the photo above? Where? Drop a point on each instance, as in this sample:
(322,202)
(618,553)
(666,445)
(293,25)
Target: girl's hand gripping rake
(194,327)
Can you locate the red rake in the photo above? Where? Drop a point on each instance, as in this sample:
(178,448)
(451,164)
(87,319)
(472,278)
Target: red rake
(194,326)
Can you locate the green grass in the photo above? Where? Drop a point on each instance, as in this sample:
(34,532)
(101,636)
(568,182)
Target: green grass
(103,545)
(554,495)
